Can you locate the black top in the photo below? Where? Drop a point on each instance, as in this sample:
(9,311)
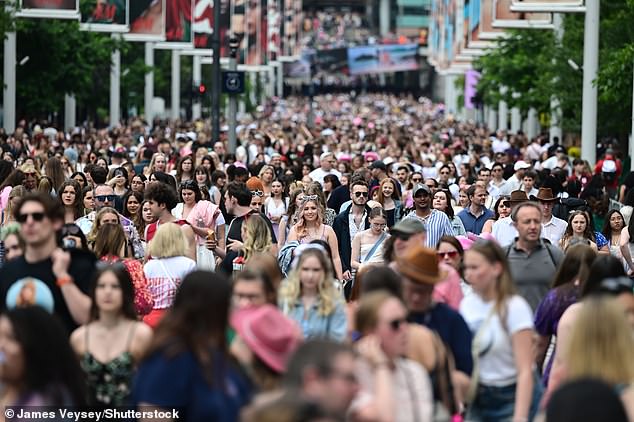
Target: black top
(82,269)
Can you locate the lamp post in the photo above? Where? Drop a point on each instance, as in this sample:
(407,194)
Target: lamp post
(216,77)
(234,44)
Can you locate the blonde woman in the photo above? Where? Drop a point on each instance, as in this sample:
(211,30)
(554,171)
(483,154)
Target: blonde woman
(310,226)
(14,196)
(602,332)
(256,237)
(167,268)
(267,175)
(309,297)
(503,386)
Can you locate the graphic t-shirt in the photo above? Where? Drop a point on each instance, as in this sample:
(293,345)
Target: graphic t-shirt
(82,269)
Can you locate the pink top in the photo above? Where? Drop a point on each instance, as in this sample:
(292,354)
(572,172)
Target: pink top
(448,291)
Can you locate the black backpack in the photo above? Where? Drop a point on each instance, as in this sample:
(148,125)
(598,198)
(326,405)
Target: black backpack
(566,205)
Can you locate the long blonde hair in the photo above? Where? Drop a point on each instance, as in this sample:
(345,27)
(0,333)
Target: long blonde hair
(92,236)
(504,286)
(258,237)
(291,288)
(300,226)
(601,343)
(168,241)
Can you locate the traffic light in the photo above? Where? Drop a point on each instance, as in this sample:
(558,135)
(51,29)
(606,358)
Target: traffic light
(202,89)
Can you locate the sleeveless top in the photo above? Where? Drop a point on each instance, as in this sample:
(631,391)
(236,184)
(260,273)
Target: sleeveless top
(308,239)
(377,256)
(109,383)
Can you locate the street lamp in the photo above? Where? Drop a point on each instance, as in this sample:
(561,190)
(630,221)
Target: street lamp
(234,44)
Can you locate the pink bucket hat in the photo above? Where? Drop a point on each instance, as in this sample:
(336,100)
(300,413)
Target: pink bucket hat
(268,333)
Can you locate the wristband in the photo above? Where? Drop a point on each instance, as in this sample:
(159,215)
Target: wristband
(62,281)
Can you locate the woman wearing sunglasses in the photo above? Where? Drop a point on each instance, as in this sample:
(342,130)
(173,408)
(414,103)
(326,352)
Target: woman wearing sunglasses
(503,386)
(501,209)
(391,387)
(204,218)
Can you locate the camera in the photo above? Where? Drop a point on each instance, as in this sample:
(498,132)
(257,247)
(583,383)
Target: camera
(69,243)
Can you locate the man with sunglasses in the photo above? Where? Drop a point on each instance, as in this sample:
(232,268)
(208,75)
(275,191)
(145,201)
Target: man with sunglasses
(436,222)
(104,197)
(63,275)
(351,221)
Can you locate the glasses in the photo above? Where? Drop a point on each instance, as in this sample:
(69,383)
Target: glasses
(402,236)
(71,231)
(360,194)
(396,324)
(379,226)
(104,198)
(37,216)
(257,193)
(617,285)
(444,172)
(450,254)
(417,180)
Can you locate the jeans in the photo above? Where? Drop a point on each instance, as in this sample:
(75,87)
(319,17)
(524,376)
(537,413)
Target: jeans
(496,404)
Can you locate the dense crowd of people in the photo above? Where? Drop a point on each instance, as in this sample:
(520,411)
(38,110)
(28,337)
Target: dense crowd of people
(384,262)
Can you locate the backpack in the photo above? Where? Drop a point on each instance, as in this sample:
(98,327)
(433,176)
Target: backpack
(566,205)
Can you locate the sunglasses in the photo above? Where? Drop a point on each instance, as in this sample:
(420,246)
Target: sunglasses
(417,180)
(450,254)
(257,193)
(360,194)
(402,236)
(617,285)
(37,216)
(104,198)
(396,324)
(71,231)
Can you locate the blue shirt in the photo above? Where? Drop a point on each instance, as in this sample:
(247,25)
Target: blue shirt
(453,331)
(315,325)
(437,224)
(473,224)
(179,383)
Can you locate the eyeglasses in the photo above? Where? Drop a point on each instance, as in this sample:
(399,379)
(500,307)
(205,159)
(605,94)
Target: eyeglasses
(379,226)
(37,216)
(257,193)
(450,254)
(360,194)
(396,324)
(104,198)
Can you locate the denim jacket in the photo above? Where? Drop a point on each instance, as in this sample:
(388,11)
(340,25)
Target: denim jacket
(333,326)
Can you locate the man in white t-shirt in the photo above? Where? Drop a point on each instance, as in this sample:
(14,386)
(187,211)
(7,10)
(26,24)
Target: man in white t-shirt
(326,161)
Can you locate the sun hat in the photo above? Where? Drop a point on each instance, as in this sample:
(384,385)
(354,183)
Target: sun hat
(545,195)
(420,265)
(269,334)
(517,197)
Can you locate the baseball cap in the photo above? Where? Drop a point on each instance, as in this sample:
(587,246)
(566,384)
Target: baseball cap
(520,165)
(421,187)
(409,226)
(378,164)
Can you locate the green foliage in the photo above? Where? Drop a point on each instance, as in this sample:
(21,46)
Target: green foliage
(534,65)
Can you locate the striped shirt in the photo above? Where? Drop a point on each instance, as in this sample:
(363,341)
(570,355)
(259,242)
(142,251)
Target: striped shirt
(164,276)
(437,224)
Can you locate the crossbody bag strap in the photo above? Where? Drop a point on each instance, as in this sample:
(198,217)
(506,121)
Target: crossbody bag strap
(374,247)
(169,275)
(475,347)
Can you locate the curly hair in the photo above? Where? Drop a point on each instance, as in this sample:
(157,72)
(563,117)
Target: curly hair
(258,237)
(291,288)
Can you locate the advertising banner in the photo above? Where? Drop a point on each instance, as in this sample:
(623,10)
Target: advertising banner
(274,21)
(104,15)
(49,9)
(470,84)
(147,21)
(178,25)
(255,22)
(382,58)
(203,25)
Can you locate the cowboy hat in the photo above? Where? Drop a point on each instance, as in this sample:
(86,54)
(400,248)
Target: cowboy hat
(545,195)
(420,265)
(517,197)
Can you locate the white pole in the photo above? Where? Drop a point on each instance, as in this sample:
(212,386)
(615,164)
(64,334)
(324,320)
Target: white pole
(70,109)
(532,126)
(8,105)
(384,17)
(280,79)
(503,115)
(149,83)
(492,120)
(196,79)
(590,67)
(632,134)
(176,85)
(555,109)
(516,120)
(115,90)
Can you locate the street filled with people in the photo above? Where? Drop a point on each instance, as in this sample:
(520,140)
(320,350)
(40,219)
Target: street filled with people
(370,258)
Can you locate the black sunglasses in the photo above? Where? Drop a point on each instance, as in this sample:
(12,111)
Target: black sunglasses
(37,216)
(360,194)
(395,324)
(104,198)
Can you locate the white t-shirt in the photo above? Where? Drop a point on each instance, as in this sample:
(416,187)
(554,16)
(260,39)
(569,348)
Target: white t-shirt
(497,362)
(164,276)
(318,174)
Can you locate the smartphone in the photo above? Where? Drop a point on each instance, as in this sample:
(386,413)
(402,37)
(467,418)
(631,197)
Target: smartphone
(69,243)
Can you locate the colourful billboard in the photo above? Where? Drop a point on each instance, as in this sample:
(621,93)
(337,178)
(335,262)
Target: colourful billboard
(104,15)
(178,25)
(382,58)
(49,9)
(147,20)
